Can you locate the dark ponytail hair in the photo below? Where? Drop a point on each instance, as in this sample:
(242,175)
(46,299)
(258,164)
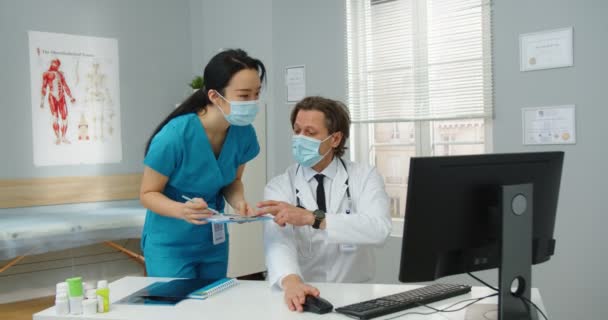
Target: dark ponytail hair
(217,74)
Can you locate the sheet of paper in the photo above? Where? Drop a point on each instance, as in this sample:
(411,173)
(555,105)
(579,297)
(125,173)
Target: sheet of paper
(549,125)
(295,80)
(546,49)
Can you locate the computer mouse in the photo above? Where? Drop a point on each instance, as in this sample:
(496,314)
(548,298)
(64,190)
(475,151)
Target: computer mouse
(317,305)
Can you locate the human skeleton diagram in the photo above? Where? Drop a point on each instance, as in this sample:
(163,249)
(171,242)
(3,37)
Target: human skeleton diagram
(99,103)
(54,80)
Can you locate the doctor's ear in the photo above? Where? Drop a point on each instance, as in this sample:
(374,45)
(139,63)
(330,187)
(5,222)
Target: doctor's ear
(335,139)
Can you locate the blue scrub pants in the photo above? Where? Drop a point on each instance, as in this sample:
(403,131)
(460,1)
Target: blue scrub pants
(211,263)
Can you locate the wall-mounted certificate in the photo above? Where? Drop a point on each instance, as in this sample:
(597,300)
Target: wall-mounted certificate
(549,125)
(546,49)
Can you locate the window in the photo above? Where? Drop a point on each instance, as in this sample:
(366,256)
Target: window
(419,83)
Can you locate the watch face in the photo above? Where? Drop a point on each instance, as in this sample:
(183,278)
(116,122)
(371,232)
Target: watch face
(319,214)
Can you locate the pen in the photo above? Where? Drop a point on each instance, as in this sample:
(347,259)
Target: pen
(208,208)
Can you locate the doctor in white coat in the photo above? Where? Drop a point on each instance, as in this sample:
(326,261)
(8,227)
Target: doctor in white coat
(325,227)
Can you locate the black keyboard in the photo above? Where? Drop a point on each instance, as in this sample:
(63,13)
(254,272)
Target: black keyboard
(403,300)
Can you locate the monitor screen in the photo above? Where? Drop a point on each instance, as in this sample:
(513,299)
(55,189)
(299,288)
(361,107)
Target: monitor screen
(453,212)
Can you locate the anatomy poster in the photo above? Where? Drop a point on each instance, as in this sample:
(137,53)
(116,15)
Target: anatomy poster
(75,99)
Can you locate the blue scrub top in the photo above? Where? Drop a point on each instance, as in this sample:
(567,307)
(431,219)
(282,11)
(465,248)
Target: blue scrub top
(182,152)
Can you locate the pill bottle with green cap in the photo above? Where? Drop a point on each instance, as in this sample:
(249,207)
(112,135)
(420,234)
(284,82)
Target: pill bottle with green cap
(75,294)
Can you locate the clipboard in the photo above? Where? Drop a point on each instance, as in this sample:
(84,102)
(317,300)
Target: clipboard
(236,218)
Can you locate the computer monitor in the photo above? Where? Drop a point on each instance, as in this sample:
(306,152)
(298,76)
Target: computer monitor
(477,212)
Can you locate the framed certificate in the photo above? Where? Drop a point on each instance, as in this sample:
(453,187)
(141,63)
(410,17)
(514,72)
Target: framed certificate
(546,49)
(549,125)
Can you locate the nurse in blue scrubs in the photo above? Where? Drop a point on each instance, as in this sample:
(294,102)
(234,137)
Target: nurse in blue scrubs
(200,151)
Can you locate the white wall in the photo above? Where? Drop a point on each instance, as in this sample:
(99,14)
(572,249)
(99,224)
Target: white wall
(573,283)
(309,33)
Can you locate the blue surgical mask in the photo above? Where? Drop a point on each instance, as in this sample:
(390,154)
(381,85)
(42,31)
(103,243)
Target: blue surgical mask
(242,113)
(306,150)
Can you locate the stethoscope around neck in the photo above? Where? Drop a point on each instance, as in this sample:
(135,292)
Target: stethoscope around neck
(299,203)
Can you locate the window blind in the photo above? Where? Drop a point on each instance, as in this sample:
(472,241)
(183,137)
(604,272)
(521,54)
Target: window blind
(414,60)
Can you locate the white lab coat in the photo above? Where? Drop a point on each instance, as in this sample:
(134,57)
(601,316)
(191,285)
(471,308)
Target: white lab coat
(343,252)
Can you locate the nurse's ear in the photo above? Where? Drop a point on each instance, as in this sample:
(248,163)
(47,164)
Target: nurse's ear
(215,97)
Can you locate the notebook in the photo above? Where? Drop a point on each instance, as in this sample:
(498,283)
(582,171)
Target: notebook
(180,289)
(213,288)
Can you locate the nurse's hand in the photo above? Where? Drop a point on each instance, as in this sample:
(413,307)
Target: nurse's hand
(285,213)
(244,209)
(195,211)
(296,292)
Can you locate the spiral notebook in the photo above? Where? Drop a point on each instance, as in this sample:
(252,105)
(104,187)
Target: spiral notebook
(213,288)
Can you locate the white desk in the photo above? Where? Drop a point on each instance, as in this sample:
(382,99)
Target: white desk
(255,300)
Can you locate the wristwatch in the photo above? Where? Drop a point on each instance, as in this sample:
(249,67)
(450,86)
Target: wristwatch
(319,217)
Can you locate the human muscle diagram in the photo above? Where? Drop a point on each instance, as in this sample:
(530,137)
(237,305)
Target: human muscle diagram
(54,81)
(75,99)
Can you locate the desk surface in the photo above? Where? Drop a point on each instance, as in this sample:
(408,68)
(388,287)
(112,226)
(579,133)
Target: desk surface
(255,300)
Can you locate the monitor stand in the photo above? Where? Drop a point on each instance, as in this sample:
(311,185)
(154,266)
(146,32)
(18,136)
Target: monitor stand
(515,268)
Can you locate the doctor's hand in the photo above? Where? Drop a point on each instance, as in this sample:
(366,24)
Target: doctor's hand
(195,211)
(296,292)
(285,213)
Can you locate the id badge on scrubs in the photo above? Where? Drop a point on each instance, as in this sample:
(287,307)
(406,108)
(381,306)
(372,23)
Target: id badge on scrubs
(345,247)
(219,233)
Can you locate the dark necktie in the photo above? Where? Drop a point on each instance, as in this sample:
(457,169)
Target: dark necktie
(320,192)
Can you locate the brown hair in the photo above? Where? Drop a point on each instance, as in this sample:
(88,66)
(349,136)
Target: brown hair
(337,118)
